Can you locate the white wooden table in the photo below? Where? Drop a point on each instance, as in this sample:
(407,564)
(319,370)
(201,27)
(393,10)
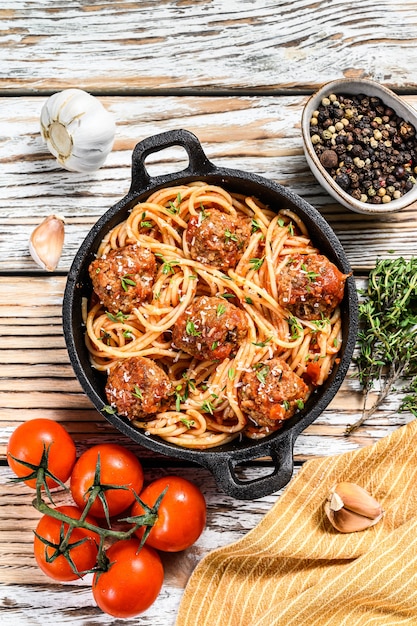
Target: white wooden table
(235,73)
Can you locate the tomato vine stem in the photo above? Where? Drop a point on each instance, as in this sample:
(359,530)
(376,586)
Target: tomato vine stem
(97,490)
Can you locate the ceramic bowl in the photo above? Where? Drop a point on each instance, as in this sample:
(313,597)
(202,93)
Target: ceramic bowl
(355,87)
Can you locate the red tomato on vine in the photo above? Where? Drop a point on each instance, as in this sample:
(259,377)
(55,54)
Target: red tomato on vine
(181,515)
(41,440)
(132,582)
(118,468)
(83,556)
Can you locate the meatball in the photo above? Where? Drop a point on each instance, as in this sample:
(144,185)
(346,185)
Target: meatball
(210,328)
(218,239)
(123,278)
(137,388)
(271,393)
(310,286)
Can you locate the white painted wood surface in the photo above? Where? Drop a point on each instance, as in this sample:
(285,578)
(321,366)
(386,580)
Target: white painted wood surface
(126,46)
(235,73)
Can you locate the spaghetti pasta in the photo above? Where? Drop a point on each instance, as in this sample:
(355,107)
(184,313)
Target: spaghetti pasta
(208,399)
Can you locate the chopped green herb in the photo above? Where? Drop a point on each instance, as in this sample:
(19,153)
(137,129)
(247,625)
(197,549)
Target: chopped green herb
(167,266)
(188,423)
(256,263)
(255,226)
(311,276)
(300,403)
(109,409)
(231,373)
(227,295)
(286,405)
(221,308)
(126,281)
(262,344)
(214,345)
(291,228)
(281,222)
(229,236)
(145,223)
(262,374)
(295,327)
(207,407)
(182,391)
(321,324)
(175,208)
(119,317)
(248,300)
(137,393)
(190,329)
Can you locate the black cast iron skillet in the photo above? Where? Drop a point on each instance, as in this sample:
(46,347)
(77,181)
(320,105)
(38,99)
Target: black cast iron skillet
(221,461)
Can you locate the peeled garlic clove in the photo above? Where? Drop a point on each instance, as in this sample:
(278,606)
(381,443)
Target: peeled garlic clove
(350,508)
(46,242)
(77,129)
(357,499)
(346,521)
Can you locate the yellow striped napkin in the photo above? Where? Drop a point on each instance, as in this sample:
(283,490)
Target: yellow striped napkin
(294,569)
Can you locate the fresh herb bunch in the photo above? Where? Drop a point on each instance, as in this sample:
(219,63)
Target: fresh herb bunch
(387,341)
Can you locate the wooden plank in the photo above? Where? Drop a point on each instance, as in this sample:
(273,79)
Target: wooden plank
(253,134)
(131,47)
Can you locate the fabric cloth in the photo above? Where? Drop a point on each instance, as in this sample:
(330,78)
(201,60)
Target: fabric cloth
(294,569)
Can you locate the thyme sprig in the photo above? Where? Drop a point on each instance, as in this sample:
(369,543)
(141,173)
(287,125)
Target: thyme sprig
(387,340)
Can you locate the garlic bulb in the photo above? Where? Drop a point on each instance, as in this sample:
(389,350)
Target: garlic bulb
(46,242)
(77,129)
(350,508)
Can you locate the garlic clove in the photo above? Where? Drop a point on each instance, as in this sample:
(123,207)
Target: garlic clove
(77,129)
(346,521)
(350,508)
(355,498)
(46,242)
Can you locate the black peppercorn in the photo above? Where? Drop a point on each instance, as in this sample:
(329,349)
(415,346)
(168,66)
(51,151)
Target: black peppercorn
(343,181)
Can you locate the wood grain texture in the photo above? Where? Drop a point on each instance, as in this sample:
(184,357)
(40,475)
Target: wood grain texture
(254,134)
(130,47)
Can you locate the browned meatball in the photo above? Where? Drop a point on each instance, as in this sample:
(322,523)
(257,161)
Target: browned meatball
(137,388)
(210,328)
(310,286)
(271,393)
(123,278)
(218,239)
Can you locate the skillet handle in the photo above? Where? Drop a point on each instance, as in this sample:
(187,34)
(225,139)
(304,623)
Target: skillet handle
(198,161)
(223,470)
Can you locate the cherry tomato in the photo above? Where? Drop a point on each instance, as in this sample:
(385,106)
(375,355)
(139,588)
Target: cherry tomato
(27,443)
(181,513)
(118,466)
(83,556)
(133,581)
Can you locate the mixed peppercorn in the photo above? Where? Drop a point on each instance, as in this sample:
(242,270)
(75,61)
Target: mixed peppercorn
(368,150)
